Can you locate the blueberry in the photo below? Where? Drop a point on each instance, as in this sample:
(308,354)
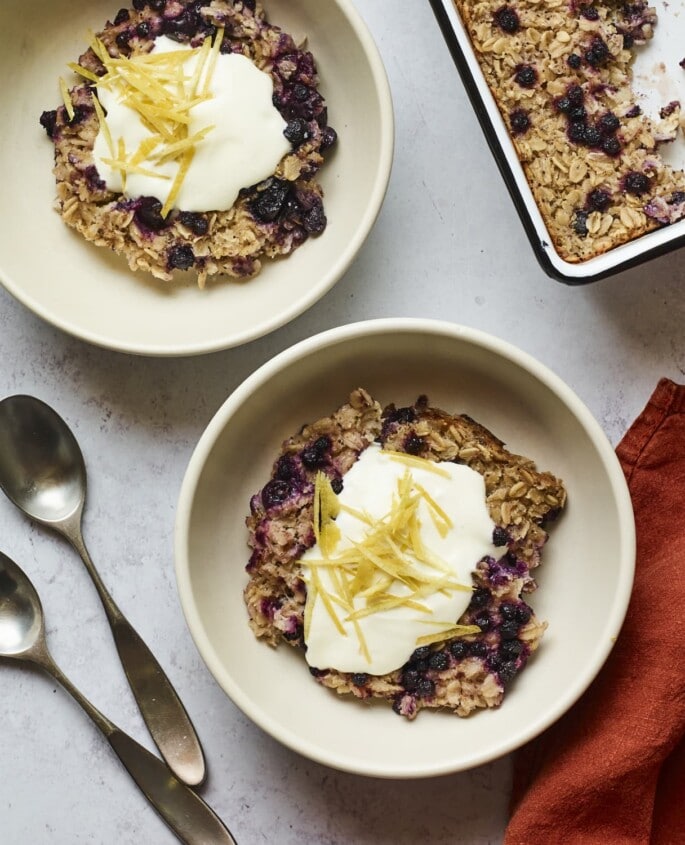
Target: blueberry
(677,197)
(483,620)
(267,204)
(410,679)
(593,137)
(510,559)
(420,653)
(296,131)
(496,662)
(628,40)
(478,649)
(414,444)
(510,649)
(157,5)
(574,61)
(608,123)
(480,597)
(636,183)
(519,121)
(500,536)
(337,485)
(425,688)
(598,199)
(187,23)
(526,76)
(507,673)
(459,649)
(576,112)
(611,146)
(523,613)
(122,16)
(590,13)
(315,454)
(317,673)
(438,661)
(314,220)
(48,120)
(249,4)
(575,95)
(402,415)
(579,224)
(328,138)
(139,5)
(143,29)
(598,52)
(285,468)
(181,257)
(149,214)
(509,630)
(275,492)
(507,19)
(508,611)
(197,223)
(576,132)
(122,40)
(360,679)
(563,104)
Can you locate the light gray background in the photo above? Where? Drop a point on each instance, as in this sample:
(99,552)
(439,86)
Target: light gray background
(448,245)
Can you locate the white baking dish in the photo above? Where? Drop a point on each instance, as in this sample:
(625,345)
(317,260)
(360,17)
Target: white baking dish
(658,79)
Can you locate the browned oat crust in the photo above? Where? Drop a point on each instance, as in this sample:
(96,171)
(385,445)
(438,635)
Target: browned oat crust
(561,173)
(461,674)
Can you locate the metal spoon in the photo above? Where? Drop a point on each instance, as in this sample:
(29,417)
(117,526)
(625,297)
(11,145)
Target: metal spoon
(22,637)
(42,471)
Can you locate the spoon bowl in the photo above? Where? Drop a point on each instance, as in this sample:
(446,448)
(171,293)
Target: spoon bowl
(41,465)
(21,614)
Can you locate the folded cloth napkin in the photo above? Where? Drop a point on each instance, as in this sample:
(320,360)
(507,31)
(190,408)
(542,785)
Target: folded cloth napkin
(612,770)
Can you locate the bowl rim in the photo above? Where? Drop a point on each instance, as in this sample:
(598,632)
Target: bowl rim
(490,343)
(318,289)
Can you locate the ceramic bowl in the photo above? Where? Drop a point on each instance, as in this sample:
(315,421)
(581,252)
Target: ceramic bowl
(585,580)
(90,292)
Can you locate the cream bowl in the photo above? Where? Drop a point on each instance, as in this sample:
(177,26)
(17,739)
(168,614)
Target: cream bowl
(90,292)
(585,580)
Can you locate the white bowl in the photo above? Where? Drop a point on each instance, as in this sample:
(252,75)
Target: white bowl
(585,580)
(90,292)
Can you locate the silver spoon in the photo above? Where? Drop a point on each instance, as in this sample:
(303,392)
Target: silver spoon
(22,637)
(42,471)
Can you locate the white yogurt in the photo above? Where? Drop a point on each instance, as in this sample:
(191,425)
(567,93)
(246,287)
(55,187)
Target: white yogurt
(391,635)
(244,148)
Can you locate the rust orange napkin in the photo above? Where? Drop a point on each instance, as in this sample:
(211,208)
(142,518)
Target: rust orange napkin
(612,771)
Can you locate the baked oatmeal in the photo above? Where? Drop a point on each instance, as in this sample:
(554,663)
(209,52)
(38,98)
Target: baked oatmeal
(293,519)
(142,50)
(560,72)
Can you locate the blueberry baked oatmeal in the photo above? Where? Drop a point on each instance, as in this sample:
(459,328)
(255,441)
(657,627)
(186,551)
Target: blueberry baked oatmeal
(560,72)
(458,663)
(139,172)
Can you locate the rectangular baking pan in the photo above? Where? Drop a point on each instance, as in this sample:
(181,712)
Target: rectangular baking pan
(650,245)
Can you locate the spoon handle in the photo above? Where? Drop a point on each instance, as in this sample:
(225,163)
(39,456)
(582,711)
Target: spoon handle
(166,718)
(161,708)
(193,821)
(190,818)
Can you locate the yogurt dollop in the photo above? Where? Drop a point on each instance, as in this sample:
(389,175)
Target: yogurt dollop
(243,147)
(456,544)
